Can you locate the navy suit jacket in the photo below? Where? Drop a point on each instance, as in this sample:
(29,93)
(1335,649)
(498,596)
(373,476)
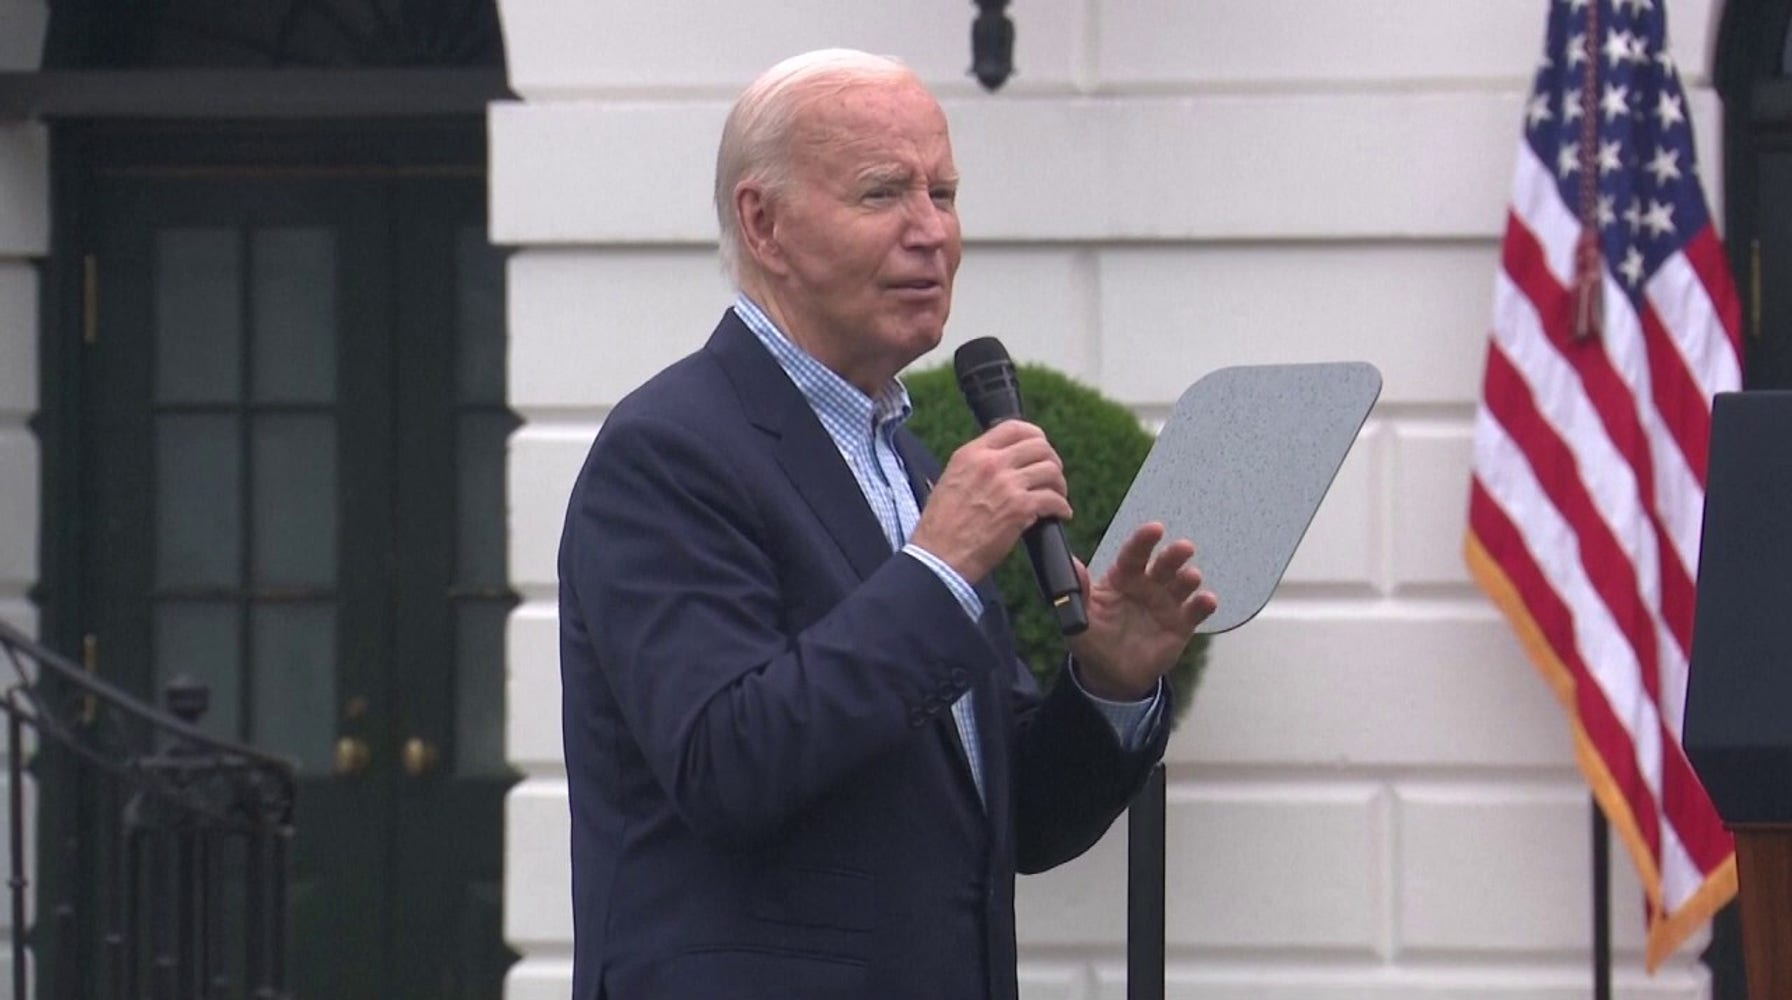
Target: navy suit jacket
(769,798)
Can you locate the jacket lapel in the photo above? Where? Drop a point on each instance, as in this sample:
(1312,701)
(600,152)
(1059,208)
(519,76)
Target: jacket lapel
(801,445)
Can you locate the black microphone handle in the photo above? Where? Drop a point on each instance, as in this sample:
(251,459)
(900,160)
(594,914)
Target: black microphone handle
(1049,551)
(1054,567)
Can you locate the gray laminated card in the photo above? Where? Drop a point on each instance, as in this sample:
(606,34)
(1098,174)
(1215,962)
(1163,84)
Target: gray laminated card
(1240,468)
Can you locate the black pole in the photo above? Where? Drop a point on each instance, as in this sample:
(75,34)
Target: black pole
(1145,891)
(277,912)
(16,827)
(130,929)
(1602,899)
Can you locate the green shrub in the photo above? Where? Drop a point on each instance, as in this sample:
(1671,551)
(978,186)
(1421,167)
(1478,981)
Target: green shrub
(1102,445)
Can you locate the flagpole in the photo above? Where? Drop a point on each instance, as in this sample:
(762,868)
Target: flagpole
(1602,899)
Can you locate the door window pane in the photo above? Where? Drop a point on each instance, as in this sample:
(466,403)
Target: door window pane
(479,511)
(202,641)
(294,650)
(294,501)
(479,318)
(295,315)
(479,686)
(198,315)
(198,501)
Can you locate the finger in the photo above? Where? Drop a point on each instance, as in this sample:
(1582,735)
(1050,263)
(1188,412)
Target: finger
(1011,432)
(1043,476)
(1046,504)
(1186,582)
(1195,609)
(1135,552)
(1170,560)
(1199,607)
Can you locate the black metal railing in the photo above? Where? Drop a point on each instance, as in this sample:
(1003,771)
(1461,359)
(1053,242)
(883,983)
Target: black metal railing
(193,834)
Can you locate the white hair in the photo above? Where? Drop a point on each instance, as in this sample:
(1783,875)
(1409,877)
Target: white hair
(756,140)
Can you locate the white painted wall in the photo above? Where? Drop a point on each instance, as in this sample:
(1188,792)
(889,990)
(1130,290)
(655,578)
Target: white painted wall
(24,236)
(1374,794)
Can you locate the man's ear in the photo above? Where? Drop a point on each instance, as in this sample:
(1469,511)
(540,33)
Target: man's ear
(756,212)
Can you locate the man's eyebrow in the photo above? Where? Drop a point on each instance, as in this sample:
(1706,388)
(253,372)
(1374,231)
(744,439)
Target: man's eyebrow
(887,175)
(902,176)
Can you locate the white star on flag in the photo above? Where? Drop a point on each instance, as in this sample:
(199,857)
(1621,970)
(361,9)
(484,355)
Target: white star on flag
(1665,166)
(1659,219)
(1538,110)
(1667,111)
(1617,47)
(1615,102)
(1608,156)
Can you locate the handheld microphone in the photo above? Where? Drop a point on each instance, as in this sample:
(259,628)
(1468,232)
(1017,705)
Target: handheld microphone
(987,378)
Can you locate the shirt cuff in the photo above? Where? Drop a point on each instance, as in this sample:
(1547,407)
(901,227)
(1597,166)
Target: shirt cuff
(960,588)
(1132,720)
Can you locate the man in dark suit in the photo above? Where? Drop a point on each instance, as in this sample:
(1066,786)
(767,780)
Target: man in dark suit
(802,756)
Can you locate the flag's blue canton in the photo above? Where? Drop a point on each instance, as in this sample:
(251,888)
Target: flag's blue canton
(1648,202)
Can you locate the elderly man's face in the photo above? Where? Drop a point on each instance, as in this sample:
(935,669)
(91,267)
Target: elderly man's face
(866,240)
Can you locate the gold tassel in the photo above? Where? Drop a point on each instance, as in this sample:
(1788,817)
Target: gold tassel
(1588,285)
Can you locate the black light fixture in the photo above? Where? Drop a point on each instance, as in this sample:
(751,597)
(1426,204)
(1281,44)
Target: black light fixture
(992,44)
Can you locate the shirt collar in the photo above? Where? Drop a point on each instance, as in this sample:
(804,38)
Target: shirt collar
(832,397)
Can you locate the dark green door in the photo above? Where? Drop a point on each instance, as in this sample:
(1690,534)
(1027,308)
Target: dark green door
(294,430)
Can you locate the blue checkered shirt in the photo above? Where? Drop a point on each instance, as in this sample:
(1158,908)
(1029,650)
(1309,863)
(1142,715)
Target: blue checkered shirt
(864,429)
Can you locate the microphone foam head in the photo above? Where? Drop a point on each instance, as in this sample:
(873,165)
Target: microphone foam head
(974,354)
(988,380)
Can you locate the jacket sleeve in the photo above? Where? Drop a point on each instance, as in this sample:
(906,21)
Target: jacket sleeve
(746,708)
(1072,778)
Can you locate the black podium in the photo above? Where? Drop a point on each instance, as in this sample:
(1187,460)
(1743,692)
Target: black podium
(1738,731)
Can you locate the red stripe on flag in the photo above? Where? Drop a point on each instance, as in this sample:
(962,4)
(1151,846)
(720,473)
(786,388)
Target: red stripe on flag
(1684,407)
(1689,808)
(1706,255)
(1678,594)
(1522,256)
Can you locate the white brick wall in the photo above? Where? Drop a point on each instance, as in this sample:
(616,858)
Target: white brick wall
(1373,795)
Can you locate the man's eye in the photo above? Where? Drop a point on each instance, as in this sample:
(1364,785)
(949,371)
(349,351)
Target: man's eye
(880,194)
(945,196)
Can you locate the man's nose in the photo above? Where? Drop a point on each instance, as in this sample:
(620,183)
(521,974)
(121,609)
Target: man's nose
(927,221)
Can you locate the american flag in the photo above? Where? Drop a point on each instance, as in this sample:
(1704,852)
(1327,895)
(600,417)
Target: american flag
(1615,321)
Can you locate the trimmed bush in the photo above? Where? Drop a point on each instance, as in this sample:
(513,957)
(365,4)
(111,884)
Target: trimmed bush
(1102,445)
